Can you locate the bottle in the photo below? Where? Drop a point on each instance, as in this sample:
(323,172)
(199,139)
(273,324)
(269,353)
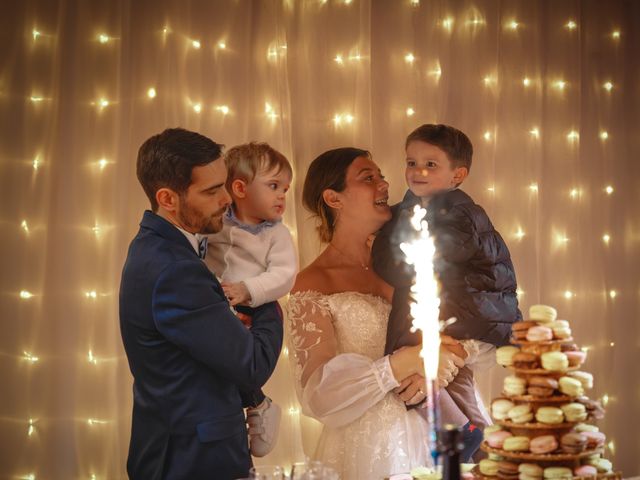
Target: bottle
(450,445)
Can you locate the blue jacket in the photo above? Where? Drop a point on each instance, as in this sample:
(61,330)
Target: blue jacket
(190,358)
(473,265)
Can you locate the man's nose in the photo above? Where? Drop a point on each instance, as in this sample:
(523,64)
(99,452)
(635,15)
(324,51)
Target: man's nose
(383,185)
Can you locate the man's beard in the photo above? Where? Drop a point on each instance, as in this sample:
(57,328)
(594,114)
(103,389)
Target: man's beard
(194,220)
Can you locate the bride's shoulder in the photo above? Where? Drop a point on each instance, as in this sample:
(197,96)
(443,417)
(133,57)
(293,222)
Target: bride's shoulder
(311,278)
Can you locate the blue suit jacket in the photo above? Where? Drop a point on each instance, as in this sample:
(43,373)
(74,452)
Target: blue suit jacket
(190,358)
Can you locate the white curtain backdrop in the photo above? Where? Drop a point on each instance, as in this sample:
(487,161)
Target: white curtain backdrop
(548,91)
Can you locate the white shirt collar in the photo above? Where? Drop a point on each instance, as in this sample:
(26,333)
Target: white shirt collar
(194,238)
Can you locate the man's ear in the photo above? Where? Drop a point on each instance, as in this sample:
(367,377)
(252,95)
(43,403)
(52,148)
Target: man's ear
(332,198)
(239,188)
(167,199)
(459,174)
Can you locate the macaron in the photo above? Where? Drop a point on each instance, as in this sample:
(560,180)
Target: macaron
(507,470)
(585,378)
(561,329)
(543,444)
(584,427)
(496,439)
(521,413)
(585,471)
(488,467)
(516,444)
(574,412)
(595,410)
(495,457)
(530,471)
(554,361)
(504,355)
(570,386)
(539,333)
(519,329)
(514,385)
(602,464)
(558,472)
(500,407)
(549,415)
(490,429)
(526,360)
(541,386)
(594,439)
(542,313)
(573,442)
(576,358)
(569,347)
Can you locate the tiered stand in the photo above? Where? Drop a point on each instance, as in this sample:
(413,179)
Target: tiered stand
(531,430)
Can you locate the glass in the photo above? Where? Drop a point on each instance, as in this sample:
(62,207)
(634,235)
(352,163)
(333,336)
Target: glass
(313,470)
(266,472)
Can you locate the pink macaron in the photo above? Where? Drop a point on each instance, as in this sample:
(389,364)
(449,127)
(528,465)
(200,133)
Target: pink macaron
(539,333)
(594,439)
(543,444)
(576,358)
(585,471)
(496,439)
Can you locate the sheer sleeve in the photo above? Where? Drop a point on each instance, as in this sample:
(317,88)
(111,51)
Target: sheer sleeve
(333,388)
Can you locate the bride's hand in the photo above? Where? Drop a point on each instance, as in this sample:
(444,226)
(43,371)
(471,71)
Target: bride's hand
(406,361)
(412,390)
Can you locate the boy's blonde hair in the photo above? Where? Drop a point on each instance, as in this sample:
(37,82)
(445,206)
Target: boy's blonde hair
(245,161)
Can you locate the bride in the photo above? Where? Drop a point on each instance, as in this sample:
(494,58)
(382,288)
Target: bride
(338,311)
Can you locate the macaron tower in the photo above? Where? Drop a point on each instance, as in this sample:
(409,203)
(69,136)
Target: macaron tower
(543,420)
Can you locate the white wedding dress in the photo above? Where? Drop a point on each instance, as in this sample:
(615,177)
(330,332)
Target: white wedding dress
(344,380)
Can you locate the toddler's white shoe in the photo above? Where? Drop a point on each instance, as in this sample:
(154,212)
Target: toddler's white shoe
(264,423)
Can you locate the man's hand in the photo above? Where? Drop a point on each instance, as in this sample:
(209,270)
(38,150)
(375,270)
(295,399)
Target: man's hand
(236,293)
(453,345)
(412,390)
(448,366)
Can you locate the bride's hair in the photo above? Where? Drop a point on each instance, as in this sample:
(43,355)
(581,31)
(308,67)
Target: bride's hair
(327,171)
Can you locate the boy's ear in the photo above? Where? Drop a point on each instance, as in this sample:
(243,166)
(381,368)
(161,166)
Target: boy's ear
(239,188)
(459,174)
(331,198)
(167,199)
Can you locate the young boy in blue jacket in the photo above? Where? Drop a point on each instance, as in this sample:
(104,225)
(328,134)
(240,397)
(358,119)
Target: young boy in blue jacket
(473,263)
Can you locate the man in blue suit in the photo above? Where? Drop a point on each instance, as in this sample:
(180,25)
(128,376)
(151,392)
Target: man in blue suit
(190,356)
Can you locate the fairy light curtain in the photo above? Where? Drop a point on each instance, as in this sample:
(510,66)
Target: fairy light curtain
(548,92)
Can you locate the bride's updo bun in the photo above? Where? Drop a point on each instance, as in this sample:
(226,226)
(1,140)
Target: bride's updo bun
(327,171)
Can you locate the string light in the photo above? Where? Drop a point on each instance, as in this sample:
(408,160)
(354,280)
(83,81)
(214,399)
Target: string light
(573,136)
(102,103)
(25,226)
(97,230)
(356,57)
(519,293)
(606,238)
(487,135)
(488,80)
(447,23)
(35,33)
(568,294)
(612,447)
(491,189)
(293,411)
(103,38)
(222,45)
(604,135)
(519,233)
(615,34)
(513,25)
(29,357)
(151,93)
(36,162)
(562,239)
(25,294)
(195,44)
(91,358)
(410,112)
(166,31)
(585,349)
(533,187)
(340,118)
(560,84)
(31,430)
(36,98)
(608,86)
(571,25)
(535,133)
(575,193)
(605,400)
(612,344)
(271,113)
(31,476)
(608,189)
(409,58)
(102,163)
(197,107)
(415,3)
(526,81)
(95,421)
(91,294)
(613,294)
(223,109)
(338,59)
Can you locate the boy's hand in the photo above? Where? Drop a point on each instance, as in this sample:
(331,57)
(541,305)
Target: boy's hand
(236,293)
(453,345)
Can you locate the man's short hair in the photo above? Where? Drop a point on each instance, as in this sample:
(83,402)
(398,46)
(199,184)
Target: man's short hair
(167,159)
